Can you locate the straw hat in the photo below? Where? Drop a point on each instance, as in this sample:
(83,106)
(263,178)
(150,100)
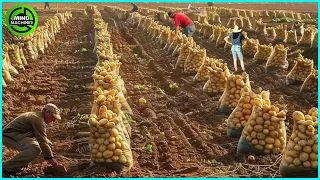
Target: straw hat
(236,29)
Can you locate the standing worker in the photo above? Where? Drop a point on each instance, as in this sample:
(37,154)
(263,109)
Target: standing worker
(46,4)
(236,37)
(27,134)
(134,8)
(184,21)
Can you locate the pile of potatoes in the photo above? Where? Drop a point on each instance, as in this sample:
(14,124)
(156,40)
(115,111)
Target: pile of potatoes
(218,74)
(250,47)
(306,38)
(281,32)
(216,33)
(181,41)
(291,37)
(240,115)
(300,71)
(246,23)
(271,32)
(208,30)
(278,58)
(176,40)
(301,154)
(311,82)
(163,37)
(184,53)
(265,132)
(315,39)
(28,51)
(203,73)
(194,60)
(233,92)
(223,33)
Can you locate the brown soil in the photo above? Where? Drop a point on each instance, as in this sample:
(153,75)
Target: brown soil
(181,124)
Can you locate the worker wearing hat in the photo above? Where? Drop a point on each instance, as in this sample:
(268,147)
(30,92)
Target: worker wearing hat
(182,20)
(27,134)
(236,37)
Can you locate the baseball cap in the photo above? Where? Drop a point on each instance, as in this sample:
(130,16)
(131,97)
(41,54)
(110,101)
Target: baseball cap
(54,110)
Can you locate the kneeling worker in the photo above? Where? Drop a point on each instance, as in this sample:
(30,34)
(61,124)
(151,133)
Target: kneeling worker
(27,134)
(183,21)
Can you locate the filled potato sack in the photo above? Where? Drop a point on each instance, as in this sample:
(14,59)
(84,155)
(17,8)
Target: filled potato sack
(300,158)
(250,47)
(236,84)
(311,83)
(291,37)
(300,71)
(278,58)
(195,60)
(265,132)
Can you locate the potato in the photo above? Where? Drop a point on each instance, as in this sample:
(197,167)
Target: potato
(297,115)
(107,154)
(296,162)
(314,164)
(117,152)
(123,159)
(313,156)
(315,148)
(102,148)
(114,132)
(258,128)
(303,156)
(268,146)
(269,140)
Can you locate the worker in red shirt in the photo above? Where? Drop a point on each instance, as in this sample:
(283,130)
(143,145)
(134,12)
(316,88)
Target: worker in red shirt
(183,21)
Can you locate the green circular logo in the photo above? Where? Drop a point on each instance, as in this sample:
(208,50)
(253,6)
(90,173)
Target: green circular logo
(21,20)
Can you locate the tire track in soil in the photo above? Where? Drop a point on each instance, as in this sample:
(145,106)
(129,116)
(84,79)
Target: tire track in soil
(195,137)
(63,78)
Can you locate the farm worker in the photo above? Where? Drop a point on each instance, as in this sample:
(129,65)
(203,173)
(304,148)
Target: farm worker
(46,4)
(236,37)
(135,7)
(183,21)
(27,134)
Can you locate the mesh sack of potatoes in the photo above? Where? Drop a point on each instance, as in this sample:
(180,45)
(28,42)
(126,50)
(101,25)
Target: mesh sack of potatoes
(271,32)
(216,19)
(243,13)
(201,29)
(12,70)
(23,58)
(176,40)
(28,51)
(278,58)
(203,74)
(176,51)
(198,25)
(215,34)
(141,22)
(250,13)
(254,23)
(218,74)
(250,47)
(235,13)
(273,14)
(14,55)
(293,56)
(40,44)
(297,16)
(311,82)
(306,38)
(261,28)
(265,132)
(109,142)
(281,32)
(291,37)
(195,60)
(169,40)
(239,22)
(300,71)
(203,19)
(184,52)
(300,158)
(223,33)
(246,23)
(6,76)
(314,43)
(241,114)
(164,37)
(236,85)
(208,30)
(265,13)
(231,22)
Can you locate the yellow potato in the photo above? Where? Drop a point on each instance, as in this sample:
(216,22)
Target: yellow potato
(117,152)
(107,154)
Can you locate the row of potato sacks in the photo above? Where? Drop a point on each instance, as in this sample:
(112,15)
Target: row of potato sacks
(109,129)
(23,50)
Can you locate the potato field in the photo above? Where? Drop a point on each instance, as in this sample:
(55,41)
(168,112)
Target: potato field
(138,101)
